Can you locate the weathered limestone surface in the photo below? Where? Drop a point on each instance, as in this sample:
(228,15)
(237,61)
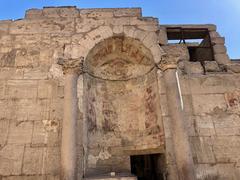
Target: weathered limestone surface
(123,111)
(122,95)
(31,85)
(215,123)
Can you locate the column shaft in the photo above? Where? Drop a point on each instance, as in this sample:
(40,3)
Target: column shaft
(68,147)
(182,148)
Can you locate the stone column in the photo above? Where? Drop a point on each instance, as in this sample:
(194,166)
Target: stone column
(182,150)
(72,68)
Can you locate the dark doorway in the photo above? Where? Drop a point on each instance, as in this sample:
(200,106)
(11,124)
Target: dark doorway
(148,167)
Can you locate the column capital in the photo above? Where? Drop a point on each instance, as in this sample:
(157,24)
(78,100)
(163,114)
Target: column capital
(168,62)
(174,54)
(71,66)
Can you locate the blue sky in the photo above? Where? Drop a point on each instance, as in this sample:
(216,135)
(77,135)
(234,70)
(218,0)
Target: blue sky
(224,13)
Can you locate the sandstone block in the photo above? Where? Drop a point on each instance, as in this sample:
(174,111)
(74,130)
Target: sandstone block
(2,89)
(218,171)
(56,12)
(202,151)
(61,26)
(53,43)
(57,109)
(47,89)
(157,53)
(226,154)
(4,113)
(27,109)
(34,14)
(39,134)
(117,29)
(222,59)
(86,25)
(21,89)
(35,73)
(33,160)
(190,125)
(177,50)
(85,12)
(187,103)
(135,21)
(8,58)
(52,161)
(184,83)
(135,12)
(125,177)
(204,125)
(76,51)
(210,27)
(20,133)
(58,41)
(149,28)
(219,49)
(150,39)
(129,31)
(215,102)
(81,49)
(29,177)
(212,84)
(100,14)
(214,34)
(233,67)
(193,67)
(233,141)
(162,36)
(27,40)
(60,90)
(55,177)
(6,40)
(227,125)
(103,32)
(118,21)
(218,40)
(11,160)
(42,135)
(211,66)
(227,131)
(4,130)
(25,57)
(4,26)
(56,73)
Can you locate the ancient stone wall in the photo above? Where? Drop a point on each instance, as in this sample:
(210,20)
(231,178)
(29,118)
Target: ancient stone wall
(211,106)
(31,85)
(32,95)
(213,117)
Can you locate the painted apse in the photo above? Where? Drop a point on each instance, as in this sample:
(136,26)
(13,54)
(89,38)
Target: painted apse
(122,113)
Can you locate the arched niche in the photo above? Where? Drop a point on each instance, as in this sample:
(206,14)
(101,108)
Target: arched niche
(122,114)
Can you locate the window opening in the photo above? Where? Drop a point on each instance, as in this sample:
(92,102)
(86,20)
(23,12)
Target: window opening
(197,40)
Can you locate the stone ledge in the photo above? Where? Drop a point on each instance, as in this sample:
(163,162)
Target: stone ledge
(33,14)
(210,27)
(72,12)
(117,12)
(108,177)
(62,11)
